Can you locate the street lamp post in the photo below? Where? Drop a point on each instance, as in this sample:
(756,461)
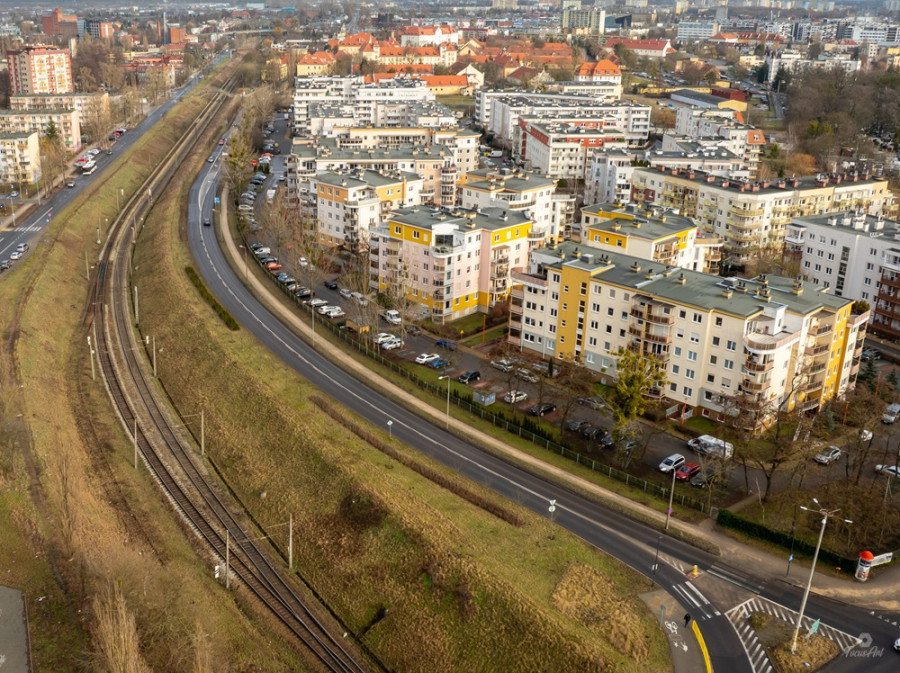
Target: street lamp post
(812,569)
(390,430)
(671,498)
(441,378)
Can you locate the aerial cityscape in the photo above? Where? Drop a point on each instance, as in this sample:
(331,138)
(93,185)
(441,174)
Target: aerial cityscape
(500,335)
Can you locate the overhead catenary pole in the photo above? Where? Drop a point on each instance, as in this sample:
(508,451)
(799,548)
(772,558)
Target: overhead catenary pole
(137,314)
(91,354)
(135,443)
(291,542)
(227,559)
(154,356)
(202,433)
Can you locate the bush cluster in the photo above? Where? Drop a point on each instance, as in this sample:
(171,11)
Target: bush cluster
(220,310)
(760,531)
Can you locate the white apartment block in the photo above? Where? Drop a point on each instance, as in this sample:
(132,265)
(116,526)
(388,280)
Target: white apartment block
(705,125)
(20,158)
(451,263)
(689,31)
(87,103)
(349,205)
(763,342)
(562,150)
(428,36)
(67,123)
(526,102)
(857,256)
(751,216)
(530,194)
(462,143)
(433,163)
(792,61)
(35,69)
(323,118)
(633,119)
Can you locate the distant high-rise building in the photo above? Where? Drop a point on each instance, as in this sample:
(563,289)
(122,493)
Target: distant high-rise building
(98,29)
(50,23)
(576,19)
(505,4)
(36,69)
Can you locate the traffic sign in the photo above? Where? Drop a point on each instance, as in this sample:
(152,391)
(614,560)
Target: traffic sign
(217,200)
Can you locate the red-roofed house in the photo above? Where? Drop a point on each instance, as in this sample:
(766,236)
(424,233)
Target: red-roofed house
(656,49)
(320,63)
(601,71)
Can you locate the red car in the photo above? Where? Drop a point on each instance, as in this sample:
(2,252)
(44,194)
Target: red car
(222,141)
(273,266)
(686,471)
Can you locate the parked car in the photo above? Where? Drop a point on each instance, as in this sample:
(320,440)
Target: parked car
(70,184)
(515,396)
(440,363)
(262,251)
(869,354)
(316,302)
(687,472)
(381,337)
(592,432)
(828,455)
(14,255)
(331,284)
(703,479)
(865,435)
(425,358)
(526,375)
(391,344)
(273,266)
(338,312)
(575,425)
(889,470)
(255,246)
(709,445)
(541,409)
(5,264)
(502,365)
(593,402)
(673,462)
(345,293)
(268,259)
(469,377)
(302,292)
(22,247)
(392,317)
(449,344)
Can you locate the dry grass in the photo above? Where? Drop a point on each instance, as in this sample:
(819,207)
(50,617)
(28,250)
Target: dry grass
(101,522)
(426,579)
(775,636)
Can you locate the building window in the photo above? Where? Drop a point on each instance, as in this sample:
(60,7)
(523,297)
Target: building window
(698,317)
(695,338)
(731,345)
(692,356)
(729,364)
(688,373)
(675,369)
(677,351)
(713,359)
(718,321)
(688,392)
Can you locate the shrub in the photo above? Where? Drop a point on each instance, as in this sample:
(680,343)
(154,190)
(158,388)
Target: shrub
(208,297)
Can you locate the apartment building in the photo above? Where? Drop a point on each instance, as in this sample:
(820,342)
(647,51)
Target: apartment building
(587,21)
(755,345)
(450,262)
(323,118)
(507,111)
(608,177)
(856,256)
(462,143)
(751,216)
(603,71)
(516,191)
(717,128)
(498,111)
(20,158)
(562,149)
(434,163)
(349,204)
(654,234)
(36,69)
(87,103)
(67,123)
(792,61)
(428,36)
(689,31)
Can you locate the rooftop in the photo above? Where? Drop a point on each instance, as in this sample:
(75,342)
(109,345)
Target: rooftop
(489,219)
(630,220)
(692,288)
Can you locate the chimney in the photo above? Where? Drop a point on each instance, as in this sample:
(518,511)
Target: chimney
(635,267)
(681,279)
(798,287)
(649,275)
(727,292)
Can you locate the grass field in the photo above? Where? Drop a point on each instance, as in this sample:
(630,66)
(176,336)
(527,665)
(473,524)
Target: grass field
(425,579)
(97,523)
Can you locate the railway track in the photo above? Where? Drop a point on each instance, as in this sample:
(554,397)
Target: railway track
(166,454)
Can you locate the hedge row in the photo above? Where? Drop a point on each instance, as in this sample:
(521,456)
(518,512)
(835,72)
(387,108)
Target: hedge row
(220,310)
(728,519)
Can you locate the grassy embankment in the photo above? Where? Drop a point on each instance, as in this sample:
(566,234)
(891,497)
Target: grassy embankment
(97,524)
(428,580)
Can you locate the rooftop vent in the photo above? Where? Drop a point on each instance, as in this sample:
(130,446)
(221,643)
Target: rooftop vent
(681,279)
(635,267)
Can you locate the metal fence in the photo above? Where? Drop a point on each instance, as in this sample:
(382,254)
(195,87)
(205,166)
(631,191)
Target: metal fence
(512,426)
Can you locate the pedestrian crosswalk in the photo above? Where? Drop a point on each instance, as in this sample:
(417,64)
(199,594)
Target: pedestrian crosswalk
(739,617)
(701,608)
(31,227)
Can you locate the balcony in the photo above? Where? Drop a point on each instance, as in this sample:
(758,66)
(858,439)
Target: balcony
(813,351)
(808,405)
(756,386)
(737,211)
(742,236)
(821,330)
(446,250)
(758,367)
(817,368)
(653,317)
(813,386)
(768,342)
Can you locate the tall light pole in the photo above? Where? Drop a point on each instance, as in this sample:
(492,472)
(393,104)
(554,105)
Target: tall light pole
(441,378)
(671,498)
(826,514)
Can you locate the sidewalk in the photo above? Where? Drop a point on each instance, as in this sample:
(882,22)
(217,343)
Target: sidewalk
(878,593)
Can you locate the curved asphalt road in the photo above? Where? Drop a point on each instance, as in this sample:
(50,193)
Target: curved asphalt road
(627,540)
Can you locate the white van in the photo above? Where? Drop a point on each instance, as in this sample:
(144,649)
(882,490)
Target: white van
(890,414)
(709,445)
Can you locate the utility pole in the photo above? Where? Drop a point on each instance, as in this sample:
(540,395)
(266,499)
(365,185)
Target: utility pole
(135,443)
(291,542)
(202,433)
(154,356)
(91,353)
(227,559)
(137,314)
